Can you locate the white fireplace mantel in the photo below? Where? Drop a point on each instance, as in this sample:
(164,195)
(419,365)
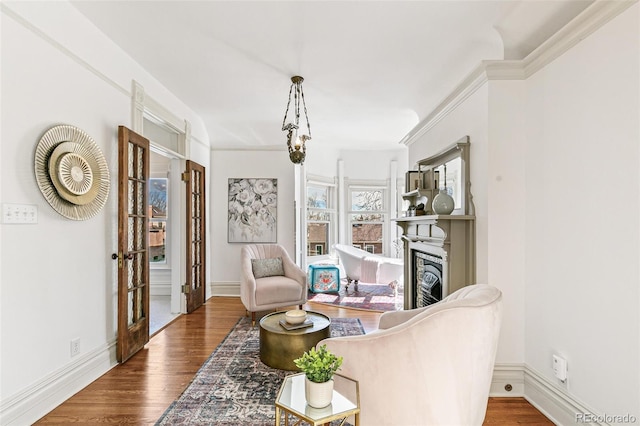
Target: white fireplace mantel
(451,237)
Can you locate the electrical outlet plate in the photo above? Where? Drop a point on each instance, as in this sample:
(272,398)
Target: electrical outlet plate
(19,213)
(560,368)
(75,346)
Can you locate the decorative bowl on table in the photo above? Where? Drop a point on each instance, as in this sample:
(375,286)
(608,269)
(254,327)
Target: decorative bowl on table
(296,316)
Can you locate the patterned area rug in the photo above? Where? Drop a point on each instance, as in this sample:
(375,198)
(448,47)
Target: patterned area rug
(233,387)
(375,297)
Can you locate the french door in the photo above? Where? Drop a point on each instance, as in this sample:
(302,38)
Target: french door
(133,255)
(194,288)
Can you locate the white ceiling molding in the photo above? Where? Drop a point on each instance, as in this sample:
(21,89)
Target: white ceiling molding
(468,87)
(592,18)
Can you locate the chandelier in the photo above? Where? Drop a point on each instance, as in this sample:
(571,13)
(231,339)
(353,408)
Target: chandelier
(296,137)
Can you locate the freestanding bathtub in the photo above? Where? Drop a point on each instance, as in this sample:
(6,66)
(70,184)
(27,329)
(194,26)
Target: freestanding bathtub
(360,265)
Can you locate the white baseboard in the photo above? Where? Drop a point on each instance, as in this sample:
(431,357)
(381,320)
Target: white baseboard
(160,282)
(507,376)
(552,400)
(37,400)
(555,403)
(225,288)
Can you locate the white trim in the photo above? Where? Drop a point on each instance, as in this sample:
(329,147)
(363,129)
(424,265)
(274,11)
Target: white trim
(40,398)
(321,180)
(591,19)
(504,375)
(461,93)
(553,401)
(224,288)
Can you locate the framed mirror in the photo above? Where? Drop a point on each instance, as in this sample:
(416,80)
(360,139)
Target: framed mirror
(449,170)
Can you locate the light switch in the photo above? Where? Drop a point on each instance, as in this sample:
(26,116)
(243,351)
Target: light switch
(19,213)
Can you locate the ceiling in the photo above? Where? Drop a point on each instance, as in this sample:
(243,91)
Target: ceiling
(373,69)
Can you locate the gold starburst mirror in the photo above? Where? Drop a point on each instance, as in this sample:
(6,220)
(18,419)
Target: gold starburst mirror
(71,172)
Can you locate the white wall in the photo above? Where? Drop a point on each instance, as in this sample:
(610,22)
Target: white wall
(582,230)
(505,202)
(555,177)
(494,186)
(225,257)
(470,118)
(57,279)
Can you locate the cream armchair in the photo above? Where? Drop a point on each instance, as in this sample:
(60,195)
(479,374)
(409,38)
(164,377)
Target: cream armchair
(427,366)
(267,283)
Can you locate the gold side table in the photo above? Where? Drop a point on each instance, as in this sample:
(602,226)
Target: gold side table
(279,347)
(291,400)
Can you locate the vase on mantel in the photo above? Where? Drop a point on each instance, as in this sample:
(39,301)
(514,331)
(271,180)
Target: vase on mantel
(443,203)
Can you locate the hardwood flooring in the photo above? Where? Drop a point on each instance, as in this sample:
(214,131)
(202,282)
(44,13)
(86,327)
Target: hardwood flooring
(139,391)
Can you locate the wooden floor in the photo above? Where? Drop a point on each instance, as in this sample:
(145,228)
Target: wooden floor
(139,391)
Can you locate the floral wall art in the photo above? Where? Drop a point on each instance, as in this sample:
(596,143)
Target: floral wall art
(253,205)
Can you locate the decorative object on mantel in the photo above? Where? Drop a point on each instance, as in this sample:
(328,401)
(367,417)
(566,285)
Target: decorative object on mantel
(418,193)
(71,172)
(296,139)
(443,202)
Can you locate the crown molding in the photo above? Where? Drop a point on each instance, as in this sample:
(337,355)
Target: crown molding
(591,19)
(476,79)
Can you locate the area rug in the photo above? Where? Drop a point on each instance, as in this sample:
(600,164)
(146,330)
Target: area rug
(375,297)
(233,387)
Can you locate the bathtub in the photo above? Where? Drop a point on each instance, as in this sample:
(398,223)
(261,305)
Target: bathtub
(360,265)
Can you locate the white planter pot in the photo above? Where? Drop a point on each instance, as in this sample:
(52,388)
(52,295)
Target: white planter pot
(318,395)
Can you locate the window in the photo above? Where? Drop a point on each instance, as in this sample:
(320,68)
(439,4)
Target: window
(320,218)
(157,220)
(367,218)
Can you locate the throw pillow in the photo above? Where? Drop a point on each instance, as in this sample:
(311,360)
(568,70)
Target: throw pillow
(267,267)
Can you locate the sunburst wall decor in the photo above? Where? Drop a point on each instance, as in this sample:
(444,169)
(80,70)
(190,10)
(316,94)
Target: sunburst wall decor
(71,172)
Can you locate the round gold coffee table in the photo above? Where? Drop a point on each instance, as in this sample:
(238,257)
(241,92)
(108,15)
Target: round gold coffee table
(279,347)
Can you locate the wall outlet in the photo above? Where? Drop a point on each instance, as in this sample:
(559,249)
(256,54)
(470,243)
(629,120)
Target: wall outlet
(75,346)
(560,368)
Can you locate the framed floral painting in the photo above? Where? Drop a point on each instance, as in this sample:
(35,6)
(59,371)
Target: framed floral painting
(253,206)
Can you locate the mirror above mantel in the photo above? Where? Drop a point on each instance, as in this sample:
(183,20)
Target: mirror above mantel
(448,170)
(439,249)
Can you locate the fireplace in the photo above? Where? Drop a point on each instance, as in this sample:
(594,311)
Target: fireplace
(439,254)
(428,279)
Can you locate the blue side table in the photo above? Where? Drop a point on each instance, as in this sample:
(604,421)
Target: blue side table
(324,278)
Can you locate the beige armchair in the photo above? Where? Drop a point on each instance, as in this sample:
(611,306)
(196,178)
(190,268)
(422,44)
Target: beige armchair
(427,366)
(266,283)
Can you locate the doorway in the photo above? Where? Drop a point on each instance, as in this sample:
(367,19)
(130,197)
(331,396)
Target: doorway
(164,232)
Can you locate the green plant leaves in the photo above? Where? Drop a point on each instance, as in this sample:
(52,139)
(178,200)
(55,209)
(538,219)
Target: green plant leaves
(319,365)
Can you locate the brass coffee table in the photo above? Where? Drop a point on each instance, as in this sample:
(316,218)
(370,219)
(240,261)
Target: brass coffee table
(279,347)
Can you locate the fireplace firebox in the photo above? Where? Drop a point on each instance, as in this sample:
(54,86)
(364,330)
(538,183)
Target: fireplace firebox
(428,276)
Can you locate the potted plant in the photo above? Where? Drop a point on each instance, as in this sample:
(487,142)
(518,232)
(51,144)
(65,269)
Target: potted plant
(319,366)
